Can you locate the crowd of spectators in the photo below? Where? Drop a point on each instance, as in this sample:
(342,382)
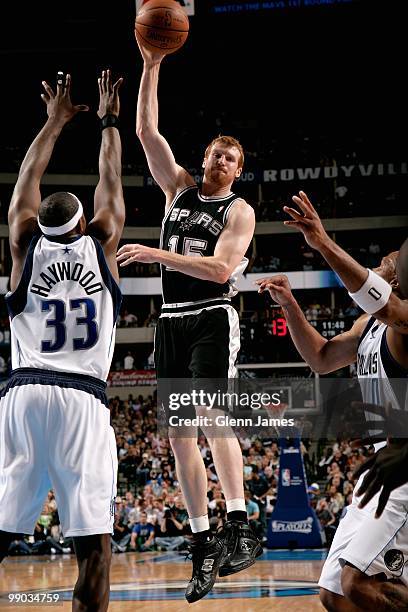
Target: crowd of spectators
(335,473)
(129,319)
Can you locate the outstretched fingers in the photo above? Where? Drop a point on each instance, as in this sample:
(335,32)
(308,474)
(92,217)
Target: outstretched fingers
(306,200)
(370,481)
(382,501)
(271,286)
(64,89)
(367,465)
(49,93)
(126,248)
(117,85)
(60,84)
(371,491)
(304,203)
(103,82)
(126,254)
(108,81)
(125,259)
(295,214)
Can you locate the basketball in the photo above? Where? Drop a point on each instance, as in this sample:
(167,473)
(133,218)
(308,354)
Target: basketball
(161,24)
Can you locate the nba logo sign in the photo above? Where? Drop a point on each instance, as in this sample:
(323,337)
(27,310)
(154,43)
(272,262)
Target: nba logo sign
(286,477)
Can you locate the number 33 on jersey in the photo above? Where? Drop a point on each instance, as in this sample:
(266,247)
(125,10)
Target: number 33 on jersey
(69,297)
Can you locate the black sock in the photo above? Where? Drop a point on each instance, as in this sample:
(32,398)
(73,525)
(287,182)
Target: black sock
(202,536)
(237,515)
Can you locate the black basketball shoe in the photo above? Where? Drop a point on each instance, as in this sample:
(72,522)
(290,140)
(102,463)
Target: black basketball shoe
(242,545)
(207,559)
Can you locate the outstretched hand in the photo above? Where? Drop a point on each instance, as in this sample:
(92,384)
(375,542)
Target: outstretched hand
(388,469)
(130,253)
(307,221)
(109,103)
(59,105)
(279,289)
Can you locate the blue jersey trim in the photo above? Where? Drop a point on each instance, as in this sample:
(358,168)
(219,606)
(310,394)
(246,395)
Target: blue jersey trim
(17,300)
(64,240)
(36,376)
(108,279)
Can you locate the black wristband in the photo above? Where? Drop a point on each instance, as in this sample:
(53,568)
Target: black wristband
(109,121)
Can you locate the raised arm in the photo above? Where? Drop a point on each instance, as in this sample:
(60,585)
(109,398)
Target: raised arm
(354,276)
(166,172)
(231,247)
(26,198)
(322,355)
(109,206)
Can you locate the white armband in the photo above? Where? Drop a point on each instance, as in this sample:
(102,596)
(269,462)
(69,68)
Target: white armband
(373,295)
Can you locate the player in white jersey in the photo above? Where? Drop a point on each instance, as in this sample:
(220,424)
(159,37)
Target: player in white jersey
(388,469)
(366,568)
(54,421)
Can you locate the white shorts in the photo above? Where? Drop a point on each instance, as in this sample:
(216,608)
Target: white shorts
(372,545)
(59,438)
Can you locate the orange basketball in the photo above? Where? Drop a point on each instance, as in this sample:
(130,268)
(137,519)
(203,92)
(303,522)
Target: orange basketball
(161,24)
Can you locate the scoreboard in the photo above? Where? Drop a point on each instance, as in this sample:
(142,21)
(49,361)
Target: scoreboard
(270,340)
(332,327)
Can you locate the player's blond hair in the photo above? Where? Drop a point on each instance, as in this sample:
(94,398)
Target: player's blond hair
(228,141)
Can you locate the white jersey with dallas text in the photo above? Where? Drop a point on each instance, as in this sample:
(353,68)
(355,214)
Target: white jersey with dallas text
(381,378)
(64,310)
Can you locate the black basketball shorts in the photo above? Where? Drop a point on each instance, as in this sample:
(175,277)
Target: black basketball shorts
(201,343)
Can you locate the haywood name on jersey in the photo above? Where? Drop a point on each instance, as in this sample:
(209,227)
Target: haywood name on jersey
(64,271)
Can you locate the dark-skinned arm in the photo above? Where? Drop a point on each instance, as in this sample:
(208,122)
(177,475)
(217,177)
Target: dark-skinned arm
(26,198)
(322,355)
(352,274)
(387,469)
(109,206)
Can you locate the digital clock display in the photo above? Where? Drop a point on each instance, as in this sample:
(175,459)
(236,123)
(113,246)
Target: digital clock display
(330,327)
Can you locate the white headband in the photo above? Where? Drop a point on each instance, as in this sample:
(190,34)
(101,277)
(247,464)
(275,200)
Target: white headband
(59,230)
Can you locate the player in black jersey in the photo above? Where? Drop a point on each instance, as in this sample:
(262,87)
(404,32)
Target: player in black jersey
(206,233)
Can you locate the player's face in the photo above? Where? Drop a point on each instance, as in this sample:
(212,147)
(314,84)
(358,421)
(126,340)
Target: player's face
(387,269)
(221,165)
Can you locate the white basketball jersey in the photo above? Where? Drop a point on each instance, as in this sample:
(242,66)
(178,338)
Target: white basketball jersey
(380,376)
(377,370)
(64,310)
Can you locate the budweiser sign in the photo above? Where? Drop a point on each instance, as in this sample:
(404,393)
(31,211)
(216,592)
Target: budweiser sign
(131,378)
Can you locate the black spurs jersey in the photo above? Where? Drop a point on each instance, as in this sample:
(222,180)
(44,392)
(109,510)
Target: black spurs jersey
(192,227)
